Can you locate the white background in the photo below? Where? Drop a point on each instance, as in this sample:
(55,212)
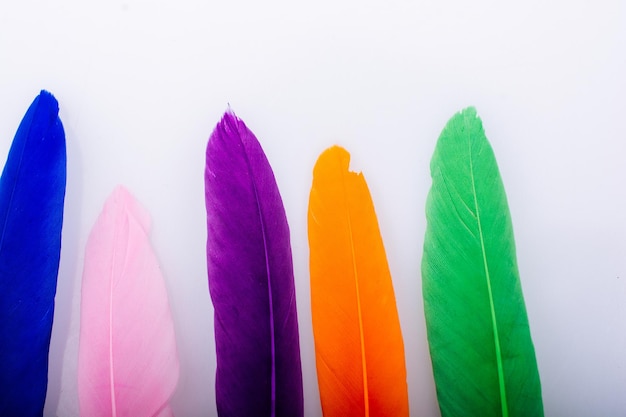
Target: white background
(141,84)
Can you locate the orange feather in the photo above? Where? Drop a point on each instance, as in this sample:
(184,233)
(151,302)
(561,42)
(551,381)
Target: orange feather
(358,342)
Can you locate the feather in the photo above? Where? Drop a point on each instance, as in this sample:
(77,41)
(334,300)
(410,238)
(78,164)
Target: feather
(250,279)
(32,192)
(480,345)
(358,342)
(127,359)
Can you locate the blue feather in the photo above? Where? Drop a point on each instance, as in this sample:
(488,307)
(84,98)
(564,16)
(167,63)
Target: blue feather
(32,191)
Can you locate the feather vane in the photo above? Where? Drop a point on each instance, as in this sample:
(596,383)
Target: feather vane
(32,193)
(358,341)
(479,337)
(128,362)
(251,280)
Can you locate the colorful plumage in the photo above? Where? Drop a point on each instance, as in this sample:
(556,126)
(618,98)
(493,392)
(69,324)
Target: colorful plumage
(480,345)
(250,279)
(128,362)
(32,193)
(358,341)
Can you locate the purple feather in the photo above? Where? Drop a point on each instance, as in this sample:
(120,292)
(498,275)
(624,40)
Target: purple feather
(250,279)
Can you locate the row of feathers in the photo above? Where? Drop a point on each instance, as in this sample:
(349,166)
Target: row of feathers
(481,350)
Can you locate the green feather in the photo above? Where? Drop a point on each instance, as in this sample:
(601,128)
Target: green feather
(482,353)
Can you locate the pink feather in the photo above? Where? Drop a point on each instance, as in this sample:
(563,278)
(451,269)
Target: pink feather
(127,360)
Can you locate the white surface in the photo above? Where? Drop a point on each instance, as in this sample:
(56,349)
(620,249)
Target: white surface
(141,84)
